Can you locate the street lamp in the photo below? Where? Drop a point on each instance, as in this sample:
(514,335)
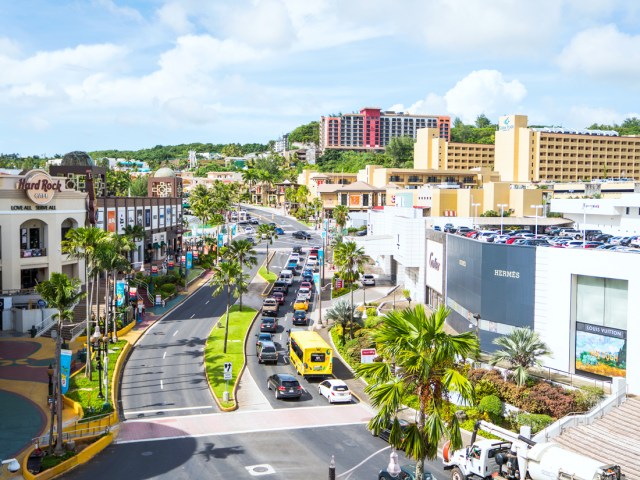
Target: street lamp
(97,337)
(584,224)
(537,207)
(12,464)
(51,401)
(332,468)
(475,209)
(394,467)
(502,206)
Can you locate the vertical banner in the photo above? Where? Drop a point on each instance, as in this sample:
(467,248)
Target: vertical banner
(147,217)
(65,369)
(316,281)
(119,293)
(111,220)
(220,240)
(189,260)
(234,228)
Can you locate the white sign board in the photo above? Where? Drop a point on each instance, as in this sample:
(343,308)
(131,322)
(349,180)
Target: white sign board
(435,265)
(367,355)
(227,371)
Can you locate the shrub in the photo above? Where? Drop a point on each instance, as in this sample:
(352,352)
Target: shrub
(588,397)
(372,312)
(484,388)
(373,321)
(492,406)
(536,421)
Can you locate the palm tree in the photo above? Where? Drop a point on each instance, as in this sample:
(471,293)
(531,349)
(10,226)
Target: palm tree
(61,293)
(134,233)
(350,260)
(341,215)
(226,274)
(419,360)
(81,243)
(249,176)
(342,314)
(267,233)
(243,251)
(521,349)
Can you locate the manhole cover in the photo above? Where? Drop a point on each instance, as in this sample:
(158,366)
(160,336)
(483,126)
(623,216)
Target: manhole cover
(258,470)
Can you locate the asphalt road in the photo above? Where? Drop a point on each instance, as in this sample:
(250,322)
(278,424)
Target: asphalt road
(276,455)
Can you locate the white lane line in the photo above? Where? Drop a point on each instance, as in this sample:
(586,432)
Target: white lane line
(136,412)
(193,315)
(207,302)
(164,355)
(175,333)
(161,385)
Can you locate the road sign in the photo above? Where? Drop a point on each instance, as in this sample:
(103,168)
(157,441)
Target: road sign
(227,371)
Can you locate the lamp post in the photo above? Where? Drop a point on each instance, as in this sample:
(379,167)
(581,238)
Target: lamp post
(394,467)
(502,207)
(332,468)
(537,207)
(584,222)
(56,334)
(475,210)
(52,404)
(476,317)
(97,337)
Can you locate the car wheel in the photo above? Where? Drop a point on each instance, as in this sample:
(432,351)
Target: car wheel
(277,395)
(456,474)
(268,385)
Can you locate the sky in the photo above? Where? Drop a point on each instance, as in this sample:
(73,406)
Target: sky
(124,74)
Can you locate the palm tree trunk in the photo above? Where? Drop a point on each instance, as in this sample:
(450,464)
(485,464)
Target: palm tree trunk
(226,325)
(87,370)
(59,448)
(351,315)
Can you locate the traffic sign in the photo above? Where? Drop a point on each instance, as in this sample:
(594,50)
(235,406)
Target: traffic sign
(227,371)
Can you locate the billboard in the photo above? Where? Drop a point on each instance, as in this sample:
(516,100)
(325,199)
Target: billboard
(111,220)
(435,266)
(601,350)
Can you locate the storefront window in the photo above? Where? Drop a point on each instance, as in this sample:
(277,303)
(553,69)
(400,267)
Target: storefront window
(601,326)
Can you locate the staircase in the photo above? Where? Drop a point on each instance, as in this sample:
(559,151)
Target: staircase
(612,439)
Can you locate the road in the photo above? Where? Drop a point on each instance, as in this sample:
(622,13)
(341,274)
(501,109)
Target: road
(275,454)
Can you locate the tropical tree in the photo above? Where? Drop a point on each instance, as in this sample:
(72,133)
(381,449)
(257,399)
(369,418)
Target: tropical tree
(521,349)
(267,233)
(62,293)
(406,293)
(81,243)
(226,274)
(341,215)
(243,251)
(350,260)
(342,314)
(133,233)
(419,362)
(249,177)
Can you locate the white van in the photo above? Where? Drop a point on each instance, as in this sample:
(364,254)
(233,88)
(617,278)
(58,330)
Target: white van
(287,276)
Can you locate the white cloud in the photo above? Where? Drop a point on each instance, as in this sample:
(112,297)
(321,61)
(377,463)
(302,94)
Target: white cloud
(602,52)
(175,16)
(190,110)
(125,12)
(265,24)
(582,116)
(35,123)
(8,47)
(481,92)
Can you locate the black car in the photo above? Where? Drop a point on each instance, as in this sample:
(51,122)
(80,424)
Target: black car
(302,235)
(407,472)
(361,233)
(299,317)
(385,432)
(269,324)
(282,285)
(285,386)
(298,249)
(251,240)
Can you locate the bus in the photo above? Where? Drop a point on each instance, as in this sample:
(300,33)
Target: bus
(310,355)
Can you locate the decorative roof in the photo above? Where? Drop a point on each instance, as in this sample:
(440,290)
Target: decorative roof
(77,159)
(164,172)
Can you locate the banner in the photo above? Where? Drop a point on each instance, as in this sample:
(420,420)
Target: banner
(119,294)
(189,260)
(111,221)
(65,369)
(220,239)
(234,228)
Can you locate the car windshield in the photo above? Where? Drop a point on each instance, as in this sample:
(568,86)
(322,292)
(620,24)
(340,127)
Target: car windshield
(317,357)
(268,349)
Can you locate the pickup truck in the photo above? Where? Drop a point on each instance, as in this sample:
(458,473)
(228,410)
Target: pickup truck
(270,307)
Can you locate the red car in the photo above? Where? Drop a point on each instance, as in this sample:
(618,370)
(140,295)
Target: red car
(279,296)
(510,240)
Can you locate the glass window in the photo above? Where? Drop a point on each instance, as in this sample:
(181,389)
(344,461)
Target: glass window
(602,301)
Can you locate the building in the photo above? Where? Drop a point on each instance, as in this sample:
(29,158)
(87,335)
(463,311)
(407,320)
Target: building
(433,152)
(616,216)
(357,196)
(610,188)
(281,144)
(189,180)
(526,154)
(313,180)
(373,129)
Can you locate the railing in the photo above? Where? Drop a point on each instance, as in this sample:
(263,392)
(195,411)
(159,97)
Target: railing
(75,433)
(577,419)
(18,291)
(77,330)
(140,283)
(33,252)
(45,325)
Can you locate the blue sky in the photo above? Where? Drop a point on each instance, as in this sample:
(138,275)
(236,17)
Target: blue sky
(99,74)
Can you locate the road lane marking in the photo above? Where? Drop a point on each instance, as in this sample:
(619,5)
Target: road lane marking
(193,315)
(164,355)
(177,409)
(207,302)
(175,333)
(161,385)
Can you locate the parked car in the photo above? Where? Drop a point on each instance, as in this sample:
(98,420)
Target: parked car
(464,230)
(269,324)
(361,233)
(335,391)
(279,231)
(285,386)
(263,337)
(407,472)
(267,352)
(307,276)
(437,228)
(300,317)
(368,279)
(301,235)
(298,249)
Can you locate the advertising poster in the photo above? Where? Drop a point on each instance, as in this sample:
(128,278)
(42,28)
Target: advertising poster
(65,369)
(131,213)
(111,221)
(154,217)
(140,216)
(99,219)
(220,239)
(147,217)
(601,350)
(120,294)
(121,220)
(189,260)
(435,266)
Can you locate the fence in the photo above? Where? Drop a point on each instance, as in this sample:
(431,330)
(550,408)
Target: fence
(45,325)
(98,426)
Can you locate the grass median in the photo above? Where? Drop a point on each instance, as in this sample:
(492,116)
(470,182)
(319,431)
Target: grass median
(239,322)
(268,276)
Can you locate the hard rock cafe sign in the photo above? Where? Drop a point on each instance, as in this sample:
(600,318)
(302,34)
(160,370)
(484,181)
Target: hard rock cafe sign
(39,186)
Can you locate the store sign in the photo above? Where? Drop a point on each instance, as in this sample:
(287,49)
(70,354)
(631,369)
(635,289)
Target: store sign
(368,355)
(435,267)
(39,186)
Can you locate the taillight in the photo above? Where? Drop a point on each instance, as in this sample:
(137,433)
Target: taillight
(299,387)
(281,388)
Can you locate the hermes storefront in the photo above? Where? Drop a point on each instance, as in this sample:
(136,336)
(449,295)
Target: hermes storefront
(36,211)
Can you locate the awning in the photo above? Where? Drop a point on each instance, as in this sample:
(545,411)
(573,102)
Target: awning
(163,244)
(156,245)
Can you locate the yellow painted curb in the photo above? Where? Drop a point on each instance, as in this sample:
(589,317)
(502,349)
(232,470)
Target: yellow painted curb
(83,457)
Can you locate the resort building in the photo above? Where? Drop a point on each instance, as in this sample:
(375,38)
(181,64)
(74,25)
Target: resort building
(433,152)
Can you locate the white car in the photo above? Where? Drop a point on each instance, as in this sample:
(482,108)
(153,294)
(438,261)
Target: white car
(368,279)
(249,230)
(311,262)
(306,292)
(335,391)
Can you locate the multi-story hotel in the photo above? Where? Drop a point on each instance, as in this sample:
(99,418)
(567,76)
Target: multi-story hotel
(373,129)
(431,151)
(525,154)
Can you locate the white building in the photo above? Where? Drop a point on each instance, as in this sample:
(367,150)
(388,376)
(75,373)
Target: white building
(617,216)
